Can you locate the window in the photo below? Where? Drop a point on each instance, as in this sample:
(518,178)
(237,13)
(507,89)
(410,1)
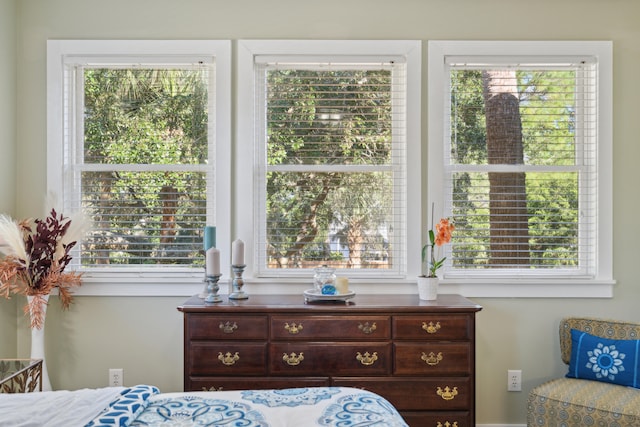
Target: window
(520,159)
(140,142)
(333,124)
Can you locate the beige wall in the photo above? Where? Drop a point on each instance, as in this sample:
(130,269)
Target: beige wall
(7,104)
(8,325)
(144,335)
(7,153)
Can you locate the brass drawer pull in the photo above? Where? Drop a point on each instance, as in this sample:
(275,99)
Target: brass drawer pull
(431,328)
(228,328)
(293,359)
(228,358)
(432,359)
(293,328)
(366,328)
(447,424)
(367,359)
(447,393)
(212,388)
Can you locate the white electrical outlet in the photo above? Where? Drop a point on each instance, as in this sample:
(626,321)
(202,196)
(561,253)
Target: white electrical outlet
(116,377)
(514,380)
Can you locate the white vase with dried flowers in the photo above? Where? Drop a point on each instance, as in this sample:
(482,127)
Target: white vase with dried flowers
(37,342)
(36,252)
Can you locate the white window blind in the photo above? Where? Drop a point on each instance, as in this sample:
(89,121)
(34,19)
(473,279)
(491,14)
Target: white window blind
(331,164)
(521,166)
(139,159)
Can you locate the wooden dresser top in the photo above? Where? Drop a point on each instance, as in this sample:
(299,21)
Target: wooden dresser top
(360,303)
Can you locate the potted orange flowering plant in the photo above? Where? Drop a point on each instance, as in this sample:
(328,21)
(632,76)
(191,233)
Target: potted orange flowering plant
(428,285)
(442,235)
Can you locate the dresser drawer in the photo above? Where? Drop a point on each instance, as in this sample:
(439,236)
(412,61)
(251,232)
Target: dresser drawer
(432,327)
(354,358)
(228,358)
(433,359)
(347,328)
(417,394)
(437,419)
(254,383)
(220,327)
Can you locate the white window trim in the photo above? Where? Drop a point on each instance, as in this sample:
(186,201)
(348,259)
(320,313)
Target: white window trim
(603,284)
(157,283)
(247,50)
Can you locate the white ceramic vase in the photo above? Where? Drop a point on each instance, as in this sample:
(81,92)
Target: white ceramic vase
(37,347)
(428,288)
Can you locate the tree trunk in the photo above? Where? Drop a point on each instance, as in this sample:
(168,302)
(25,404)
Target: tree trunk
(508,219)
(169,206)
(355,240)
(308,228)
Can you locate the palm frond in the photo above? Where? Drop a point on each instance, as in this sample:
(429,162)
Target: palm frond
(36,309)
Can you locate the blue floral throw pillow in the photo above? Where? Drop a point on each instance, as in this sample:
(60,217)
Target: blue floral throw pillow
(602,359)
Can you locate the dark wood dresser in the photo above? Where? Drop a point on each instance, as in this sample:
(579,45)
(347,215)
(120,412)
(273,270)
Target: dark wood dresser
(419,355)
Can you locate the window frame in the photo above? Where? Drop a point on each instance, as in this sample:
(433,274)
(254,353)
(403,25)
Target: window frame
(247,183)
(602,283)
(174,281)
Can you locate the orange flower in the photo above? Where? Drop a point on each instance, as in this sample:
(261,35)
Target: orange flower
(443,232)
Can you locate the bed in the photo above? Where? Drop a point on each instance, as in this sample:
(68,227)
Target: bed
(144,405)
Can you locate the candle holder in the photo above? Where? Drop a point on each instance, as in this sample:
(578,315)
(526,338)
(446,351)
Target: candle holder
(237,292)
(213,288)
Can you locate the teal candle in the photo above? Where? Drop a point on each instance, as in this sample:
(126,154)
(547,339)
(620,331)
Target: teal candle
(209,237)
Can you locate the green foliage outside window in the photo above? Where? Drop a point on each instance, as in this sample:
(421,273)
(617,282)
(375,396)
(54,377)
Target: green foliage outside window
(142,126)
(326,122)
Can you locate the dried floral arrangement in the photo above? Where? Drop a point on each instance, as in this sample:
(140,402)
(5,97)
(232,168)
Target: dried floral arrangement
(36,252)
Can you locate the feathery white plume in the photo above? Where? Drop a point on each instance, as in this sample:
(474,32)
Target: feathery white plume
(11,238)
(79,226)
(51,201)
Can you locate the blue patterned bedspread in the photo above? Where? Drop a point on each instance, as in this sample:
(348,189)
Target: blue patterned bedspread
(295,407)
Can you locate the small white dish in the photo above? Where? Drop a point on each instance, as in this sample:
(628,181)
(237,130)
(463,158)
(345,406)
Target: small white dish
(313,295)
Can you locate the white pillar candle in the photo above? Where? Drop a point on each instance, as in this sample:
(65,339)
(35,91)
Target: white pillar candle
(213,262)
(237,252)
(342,284)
